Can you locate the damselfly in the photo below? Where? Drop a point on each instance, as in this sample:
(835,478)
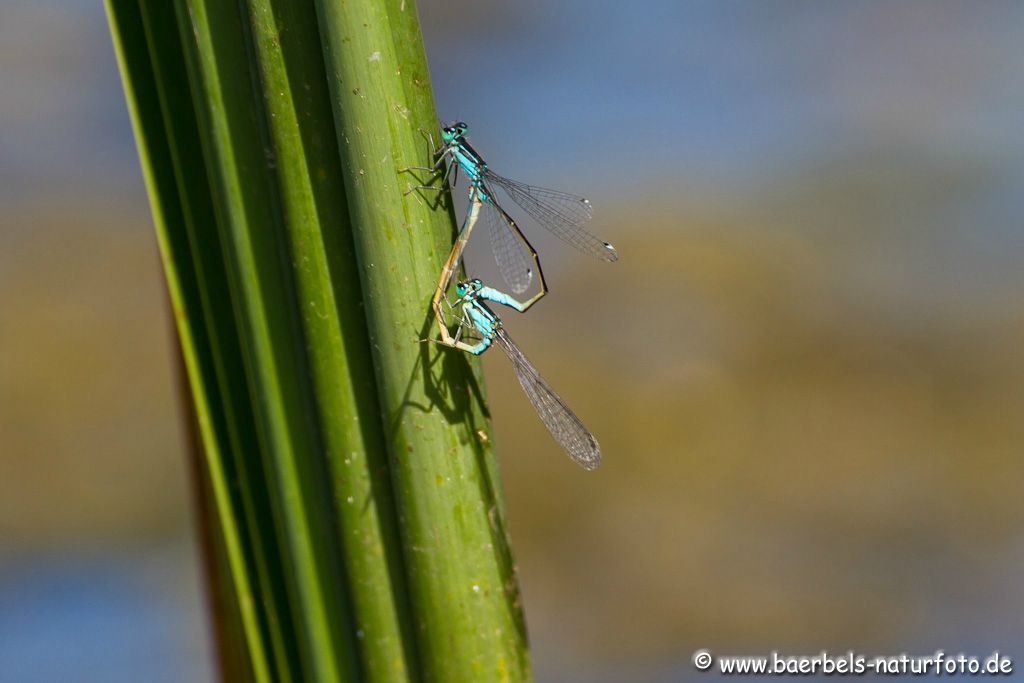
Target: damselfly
(567,429)
(561,213)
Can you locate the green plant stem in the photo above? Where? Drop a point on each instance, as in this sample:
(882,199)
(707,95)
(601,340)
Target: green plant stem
(350,466)
(294,85)
(465,599)
(156,154)
(255,247)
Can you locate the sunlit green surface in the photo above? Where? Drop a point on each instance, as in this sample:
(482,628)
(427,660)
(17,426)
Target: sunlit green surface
(301,275)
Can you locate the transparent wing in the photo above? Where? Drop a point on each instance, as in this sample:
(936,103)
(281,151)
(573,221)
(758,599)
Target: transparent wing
(567,429)
(515,260)
(561,213)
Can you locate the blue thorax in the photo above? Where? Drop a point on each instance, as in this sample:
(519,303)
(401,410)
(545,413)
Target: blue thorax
(471,163)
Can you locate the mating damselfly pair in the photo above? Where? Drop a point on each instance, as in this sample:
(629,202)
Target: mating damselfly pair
(560,213)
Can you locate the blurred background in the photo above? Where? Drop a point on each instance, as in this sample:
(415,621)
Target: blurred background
(806,371)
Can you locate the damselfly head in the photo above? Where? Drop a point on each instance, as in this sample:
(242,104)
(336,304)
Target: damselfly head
(454,131)
(468,287)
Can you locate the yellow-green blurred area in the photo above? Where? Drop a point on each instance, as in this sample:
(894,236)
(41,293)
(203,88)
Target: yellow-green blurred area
(806,371)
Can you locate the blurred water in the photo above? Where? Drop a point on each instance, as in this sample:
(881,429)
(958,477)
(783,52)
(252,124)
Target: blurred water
(91,616)
(723,96)
(65,126)
(726,104)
